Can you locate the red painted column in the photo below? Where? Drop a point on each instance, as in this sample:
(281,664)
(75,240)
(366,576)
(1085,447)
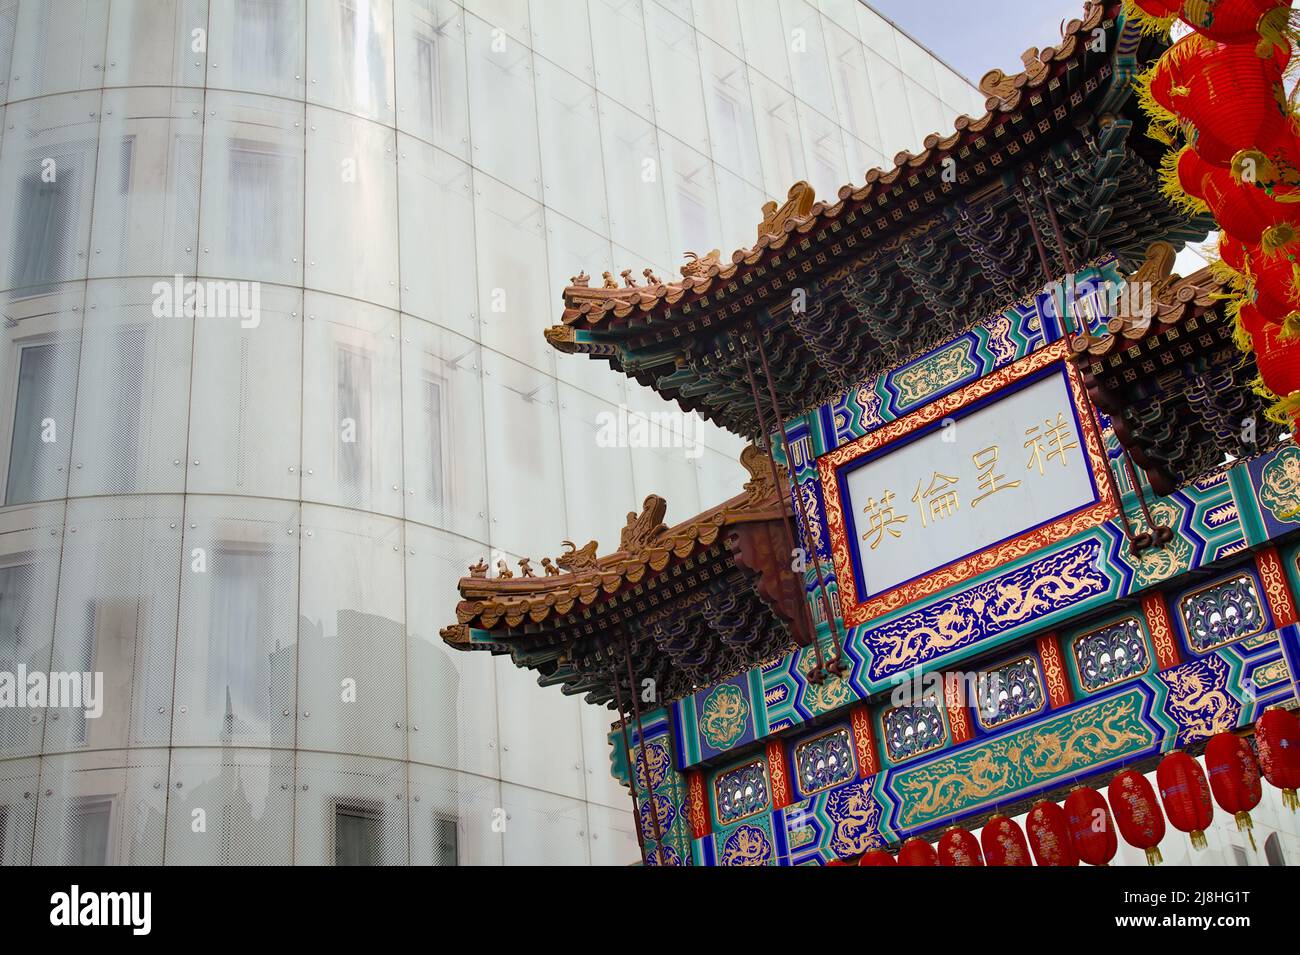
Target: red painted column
(778,774)
(697,804)
(1276,587)
(864,741)
(958,711)
(1058,685)
(1162,630)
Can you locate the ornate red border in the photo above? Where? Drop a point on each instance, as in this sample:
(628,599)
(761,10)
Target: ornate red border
(1273,573)
(776,771)
(864,739)
(1058,687)
(1161,629)
(856,611)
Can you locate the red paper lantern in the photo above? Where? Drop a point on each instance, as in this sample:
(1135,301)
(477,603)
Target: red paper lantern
(1232,252)
(959,847)
(837,862)
(1277,734)
(1229,21)
(1154,16)
(1186,795)
(1137,813)
(1252,319)
(1275,280)
(1234,778)
(1049,835)
(917,851)
(1278,360)
(877,857)
(1004,843)
(1234,99)
(1092,828)
(1156,86)
(1243,210)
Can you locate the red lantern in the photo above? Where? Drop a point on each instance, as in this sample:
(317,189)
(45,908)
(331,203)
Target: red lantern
(1232,253)
(1234,99)
(1156,87)
(959,847)
(1092,828)
(1049,835)
(1243,210)
(1234,778)
(1277,734)
(1230,21)
(1004,843)
(837,862)
(1186,795)
(1154,16)
(877,857)
(1276,283)
(917,851)
(1137,813)
(1278,360)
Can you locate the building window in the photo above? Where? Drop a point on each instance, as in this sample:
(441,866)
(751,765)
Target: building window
(36,405)
(446,840)
(356,834)
(89,830)
(1111,654)
(239,616)
(1009,692)
(43,212)
(15,646)
(255,186)
(741,792)
(262,40)
(915,729)
(435,444)
(352,400)
(1222,613)
(1273,850)
(824,761)
(363,62)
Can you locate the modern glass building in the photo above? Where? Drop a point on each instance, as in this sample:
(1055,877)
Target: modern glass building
(239,499)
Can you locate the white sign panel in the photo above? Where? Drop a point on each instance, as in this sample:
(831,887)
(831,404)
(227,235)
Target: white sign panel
(1015,464)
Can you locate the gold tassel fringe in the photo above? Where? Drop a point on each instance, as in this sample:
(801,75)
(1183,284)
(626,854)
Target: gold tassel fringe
(1154,857)
(1198,839)
(1290,799)
(1145,22)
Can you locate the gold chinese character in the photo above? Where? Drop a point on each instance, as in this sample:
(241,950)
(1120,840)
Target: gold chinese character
(882,518)
(940,498)
(1052,443)
(990,483)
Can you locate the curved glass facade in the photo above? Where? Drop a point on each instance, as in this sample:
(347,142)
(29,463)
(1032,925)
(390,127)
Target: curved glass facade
(274,275)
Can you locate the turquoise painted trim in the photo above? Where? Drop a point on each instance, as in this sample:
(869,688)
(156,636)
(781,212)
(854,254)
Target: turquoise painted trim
(1243,492)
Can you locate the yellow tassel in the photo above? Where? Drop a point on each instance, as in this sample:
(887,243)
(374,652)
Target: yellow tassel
(1198,839)
(1246,825)
(1145,22)
(1290,799)
(1277,28)
(1284,411)
(1275,240)
(1172,186)
(1164,123)
(1154,857)
(1290,327)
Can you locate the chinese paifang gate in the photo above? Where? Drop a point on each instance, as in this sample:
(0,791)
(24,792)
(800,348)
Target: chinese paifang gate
(993,434)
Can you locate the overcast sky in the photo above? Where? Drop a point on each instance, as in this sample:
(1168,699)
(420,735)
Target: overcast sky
(975,36)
